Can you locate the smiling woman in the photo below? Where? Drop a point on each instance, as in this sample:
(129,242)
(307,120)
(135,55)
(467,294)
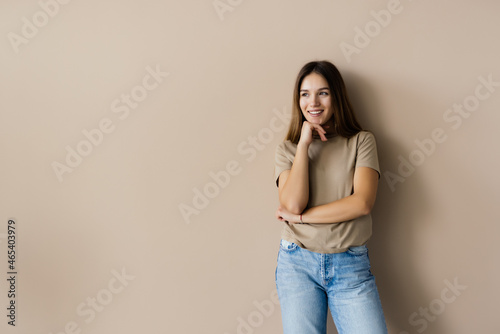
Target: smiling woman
(327,175)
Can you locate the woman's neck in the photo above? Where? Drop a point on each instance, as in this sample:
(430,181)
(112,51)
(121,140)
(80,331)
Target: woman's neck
(330,129)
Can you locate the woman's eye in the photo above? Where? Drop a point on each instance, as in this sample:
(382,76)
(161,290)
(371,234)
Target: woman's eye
(320,93)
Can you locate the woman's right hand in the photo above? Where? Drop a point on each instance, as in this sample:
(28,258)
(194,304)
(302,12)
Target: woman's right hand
(307,132)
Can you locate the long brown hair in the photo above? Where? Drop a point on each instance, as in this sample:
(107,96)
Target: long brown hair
(345,121)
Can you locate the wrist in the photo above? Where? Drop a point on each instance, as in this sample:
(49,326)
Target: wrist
(302,144)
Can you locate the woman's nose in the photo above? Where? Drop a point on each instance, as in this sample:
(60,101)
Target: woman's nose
(314,100)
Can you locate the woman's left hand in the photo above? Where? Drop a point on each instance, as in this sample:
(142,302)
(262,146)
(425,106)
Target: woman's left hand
(286,216)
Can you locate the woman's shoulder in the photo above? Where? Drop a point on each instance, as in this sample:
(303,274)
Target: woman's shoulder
(286,146)
(365,133)
(362,138)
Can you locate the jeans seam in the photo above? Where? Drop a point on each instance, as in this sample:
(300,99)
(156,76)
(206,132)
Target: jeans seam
(323,271)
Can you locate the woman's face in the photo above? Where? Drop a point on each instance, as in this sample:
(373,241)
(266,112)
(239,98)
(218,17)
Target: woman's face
(315,99)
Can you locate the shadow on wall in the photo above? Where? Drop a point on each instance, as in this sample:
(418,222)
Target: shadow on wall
(397,214)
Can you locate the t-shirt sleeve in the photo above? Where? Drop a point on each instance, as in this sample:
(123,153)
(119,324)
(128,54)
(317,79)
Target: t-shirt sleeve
(282,161)
(367,152)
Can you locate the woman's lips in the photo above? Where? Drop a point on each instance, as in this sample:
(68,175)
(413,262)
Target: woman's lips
(315,113)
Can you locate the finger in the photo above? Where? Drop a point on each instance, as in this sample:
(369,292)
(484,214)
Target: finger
(319,129)
(321,133)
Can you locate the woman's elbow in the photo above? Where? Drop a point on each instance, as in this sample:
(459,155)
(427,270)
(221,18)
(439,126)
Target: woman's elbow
(294,208)
(362,205)
(366,207)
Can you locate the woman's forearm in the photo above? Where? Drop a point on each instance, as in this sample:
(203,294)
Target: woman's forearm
(344,209)
(360,203)
(295,193)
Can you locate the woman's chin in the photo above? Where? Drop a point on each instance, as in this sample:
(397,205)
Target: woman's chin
(316,120)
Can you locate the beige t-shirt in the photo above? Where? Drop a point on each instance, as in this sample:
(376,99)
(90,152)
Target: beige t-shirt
(331,174)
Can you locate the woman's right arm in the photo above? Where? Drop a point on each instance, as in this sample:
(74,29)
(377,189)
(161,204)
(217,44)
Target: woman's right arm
(294,183)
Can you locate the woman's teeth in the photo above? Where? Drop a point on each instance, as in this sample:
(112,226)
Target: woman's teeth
(315,112)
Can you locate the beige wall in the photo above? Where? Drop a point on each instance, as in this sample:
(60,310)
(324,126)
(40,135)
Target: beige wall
(105,249)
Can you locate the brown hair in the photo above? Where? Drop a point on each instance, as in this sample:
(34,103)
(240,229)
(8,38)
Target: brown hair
(345,121)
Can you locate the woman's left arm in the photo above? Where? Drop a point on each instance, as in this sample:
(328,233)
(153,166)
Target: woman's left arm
(358,204)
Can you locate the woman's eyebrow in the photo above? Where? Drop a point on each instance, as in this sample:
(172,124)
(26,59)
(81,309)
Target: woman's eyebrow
(306,90)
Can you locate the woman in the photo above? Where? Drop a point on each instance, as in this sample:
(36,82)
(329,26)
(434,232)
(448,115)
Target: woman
(327,173)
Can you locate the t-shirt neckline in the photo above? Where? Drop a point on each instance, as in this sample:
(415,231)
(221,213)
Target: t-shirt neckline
(327,135)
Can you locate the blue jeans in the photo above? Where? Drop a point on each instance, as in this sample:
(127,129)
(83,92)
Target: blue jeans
(308,283)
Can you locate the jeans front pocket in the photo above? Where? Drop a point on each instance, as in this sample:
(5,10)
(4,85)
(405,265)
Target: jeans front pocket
(357,250)
(288,246)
